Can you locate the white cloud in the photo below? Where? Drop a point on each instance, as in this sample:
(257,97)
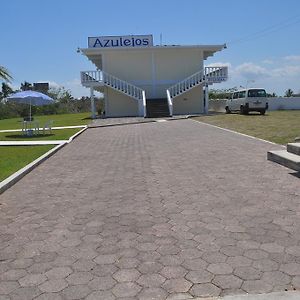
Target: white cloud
(251,71)
(268,62)
(218,64)
(292,58)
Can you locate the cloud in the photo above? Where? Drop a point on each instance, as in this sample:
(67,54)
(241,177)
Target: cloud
(218,64)
(292,58)
(268,62)
(250,70)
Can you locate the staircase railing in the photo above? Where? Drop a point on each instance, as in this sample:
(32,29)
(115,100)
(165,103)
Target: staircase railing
(94,78)
(101,77)
(207,76)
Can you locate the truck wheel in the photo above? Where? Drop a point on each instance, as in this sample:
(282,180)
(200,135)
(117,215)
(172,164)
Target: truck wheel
(242,111)
(262,112)
(228,111)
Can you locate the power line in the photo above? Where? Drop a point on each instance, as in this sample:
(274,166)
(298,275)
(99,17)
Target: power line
(267,30)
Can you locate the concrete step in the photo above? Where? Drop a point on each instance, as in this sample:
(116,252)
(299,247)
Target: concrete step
(287,159)
(293,148)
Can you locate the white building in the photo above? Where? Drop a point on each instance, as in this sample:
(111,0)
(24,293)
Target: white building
(139,79)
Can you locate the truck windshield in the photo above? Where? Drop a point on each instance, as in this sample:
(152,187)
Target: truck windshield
(257,93)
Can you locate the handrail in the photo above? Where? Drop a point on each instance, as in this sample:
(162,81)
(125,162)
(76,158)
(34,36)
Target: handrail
(144,104)
(170,103)
(113,82)
(208,75)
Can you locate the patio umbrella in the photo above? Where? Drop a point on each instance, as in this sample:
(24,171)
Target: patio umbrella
(31,98)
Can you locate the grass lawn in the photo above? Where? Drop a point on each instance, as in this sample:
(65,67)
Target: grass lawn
(280,127)
(59,120)
(13,158)
(59,134)
(16,157)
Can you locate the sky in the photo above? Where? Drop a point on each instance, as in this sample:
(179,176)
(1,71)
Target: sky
(39,39)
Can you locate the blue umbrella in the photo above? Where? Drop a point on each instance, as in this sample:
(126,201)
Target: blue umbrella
(31,98)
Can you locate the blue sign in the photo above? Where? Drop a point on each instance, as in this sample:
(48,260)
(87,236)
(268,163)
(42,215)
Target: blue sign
(120,41)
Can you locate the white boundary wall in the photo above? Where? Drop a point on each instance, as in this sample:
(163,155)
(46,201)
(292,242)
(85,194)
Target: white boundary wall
(276,103)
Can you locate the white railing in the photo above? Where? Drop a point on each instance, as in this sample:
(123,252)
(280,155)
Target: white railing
(170,103)
(92,78)
(144,104)
(208,75)
(216,74)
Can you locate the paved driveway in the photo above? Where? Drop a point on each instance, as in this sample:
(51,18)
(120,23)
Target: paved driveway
(163,210)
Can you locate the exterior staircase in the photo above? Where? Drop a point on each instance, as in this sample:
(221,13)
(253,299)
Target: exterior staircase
(207,76)
(289,158)
(99,79)
(157,108)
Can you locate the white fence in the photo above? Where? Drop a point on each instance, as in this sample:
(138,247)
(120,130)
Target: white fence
(276,103)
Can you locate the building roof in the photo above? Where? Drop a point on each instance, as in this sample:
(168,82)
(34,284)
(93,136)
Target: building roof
(95,54)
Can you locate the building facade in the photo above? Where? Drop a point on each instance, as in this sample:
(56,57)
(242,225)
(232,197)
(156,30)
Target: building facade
(139,79)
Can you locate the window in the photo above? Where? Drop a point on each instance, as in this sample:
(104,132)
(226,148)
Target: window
(257,93)
(235,95)
(242,94)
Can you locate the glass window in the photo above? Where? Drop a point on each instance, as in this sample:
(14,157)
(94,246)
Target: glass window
(242,94)
(235,95)
(257,93)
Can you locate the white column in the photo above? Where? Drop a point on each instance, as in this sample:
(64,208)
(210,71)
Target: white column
(206,97)
(93,109)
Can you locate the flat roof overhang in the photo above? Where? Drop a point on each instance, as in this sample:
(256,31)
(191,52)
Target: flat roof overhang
(95,54)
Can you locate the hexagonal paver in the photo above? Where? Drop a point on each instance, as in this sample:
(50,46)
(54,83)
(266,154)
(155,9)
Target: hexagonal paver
(79,278)
(171,260)
(291,268)
(205,290)
(256,286)
(76,292)
(239,261)
(265,265)
(152,293)
(127,262)
(49,296)
(103,270)
(272,248)
(53,285)
(151,280)
(227,281)
(6,287)
(21,263)
(124,275)
(256,254)
(126,289)
(105,259)
(100,295)
(58,272)
(32,280)
(173,272)
(276,278)
(177,285)
(247,273)
(13,274)
(25,293)
(102,283)
(199,276)
(195,264)
(220,268)
(293,250)
(214,257)
(83,265)
(149,267)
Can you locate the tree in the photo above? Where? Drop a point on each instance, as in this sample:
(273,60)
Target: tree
(4,74)
(289,93)
(26,86)
(6,90)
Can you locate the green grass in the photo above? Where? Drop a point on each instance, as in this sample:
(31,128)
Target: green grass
(16,157)
(13,158)
(59,134)
(280,127)
(59,120)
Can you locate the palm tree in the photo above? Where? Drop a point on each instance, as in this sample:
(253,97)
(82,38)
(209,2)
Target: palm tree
(4,74)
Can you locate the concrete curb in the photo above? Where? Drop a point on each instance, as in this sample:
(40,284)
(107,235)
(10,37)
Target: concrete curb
(15,177)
